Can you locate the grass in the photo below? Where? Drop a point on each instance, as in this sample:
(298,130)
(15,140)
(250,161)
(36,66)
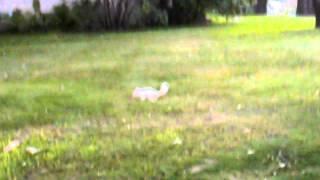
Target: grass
(251,86)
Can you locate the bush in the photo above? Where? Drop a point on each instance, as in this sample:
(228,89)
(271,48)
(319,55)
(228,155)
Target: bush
(4,18)
(186,12)
(121,14)
(62,18)
(25,22)
(87,17)
(153,14)
(5,23)
(21,22)
(105,14)
(232,7)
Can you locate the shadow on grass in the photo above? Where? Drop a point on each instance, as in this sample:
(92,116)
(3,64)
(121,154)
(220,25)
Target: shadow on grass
(8,39)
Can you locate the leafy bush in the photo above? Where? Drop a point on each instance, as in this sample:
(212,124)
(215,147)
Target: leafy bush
(153,14)
(22,22)
(5,23)
(122,14)
(232,7)
(87,16)
(187,11)
(62,18)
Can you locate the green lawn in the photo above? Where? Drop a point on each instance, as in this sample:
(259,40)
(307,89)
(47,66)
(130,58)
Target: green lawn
(244,103)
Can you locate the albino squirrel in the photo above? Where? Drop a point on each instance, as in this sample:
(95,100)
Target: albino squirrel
(149,93)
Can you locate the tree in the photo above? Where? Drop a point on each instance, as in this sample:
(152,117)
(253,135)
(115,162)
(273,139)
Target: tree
(188,11)
(5,23)
(38,18)
(21,21)
(62,18)
(36,7)
(305,7)
(261,7)
(316,5)
(116,14)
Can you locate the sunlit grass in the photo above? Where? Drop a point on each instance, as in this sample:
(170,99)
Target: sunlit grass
(249,85)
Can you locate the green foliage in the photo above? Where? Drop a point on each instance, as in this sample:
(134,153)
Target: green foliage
(23,22)
(187,11)
(18,19)
(87,16)
(4,17)
(38,16)
(153,15)
(62,18)
(5,23)
(36,7)
(98,15)
(232,7)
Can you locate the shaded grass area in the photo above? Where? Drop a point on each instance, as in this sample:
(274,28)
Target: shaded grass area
(251,86)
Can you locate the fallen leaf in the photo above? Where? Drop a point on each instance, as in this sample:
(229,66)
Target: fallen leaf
(282,165)
(197,169)
(274,173)
(177,141)
(5,76)
(207,163)
(251,152)
(210,162)
(12,146)
(247,131)
(32,150)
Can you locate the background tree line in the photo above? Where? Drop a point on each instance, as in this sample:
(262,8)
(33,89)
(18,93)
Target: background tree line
(100,15)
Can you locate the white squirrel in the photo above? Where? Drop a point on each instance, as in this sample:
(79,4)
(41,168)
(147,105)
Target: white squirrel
(149,93)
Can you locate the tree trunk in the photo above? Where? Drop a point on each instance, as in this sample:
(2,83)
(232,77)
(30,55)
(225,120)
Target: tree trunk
(305,7)
(300,7)
(261,7)
(316,5)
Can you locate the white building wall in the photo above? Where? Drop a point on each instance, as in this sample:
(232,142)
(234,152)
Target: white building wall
(282,7)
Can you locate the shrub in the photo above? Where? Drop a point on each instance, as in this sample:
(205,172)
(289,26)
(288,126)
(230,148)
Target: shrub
(21,22)
(122,14)
(186,12)
(232,7)
(153,14)
(86,15)
(62,18)
(5,23)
